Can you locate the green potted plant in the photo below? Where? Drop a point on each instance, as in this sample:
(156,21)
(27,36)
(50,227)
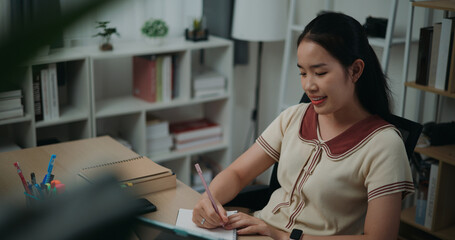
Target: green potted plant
(105,34)
(155,30)
(197,31)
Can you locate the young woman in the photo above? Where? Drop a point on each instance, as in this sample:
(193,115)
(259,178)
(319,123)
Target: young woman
(343,168)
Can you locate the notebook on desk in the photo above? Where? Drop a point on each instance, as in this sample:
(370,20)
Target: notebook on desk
(184,220)
(150,229)
(184,228)
(143,175)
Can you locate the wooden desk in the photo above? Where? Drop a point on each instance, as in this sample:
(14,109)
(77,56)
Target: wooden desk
(73,156)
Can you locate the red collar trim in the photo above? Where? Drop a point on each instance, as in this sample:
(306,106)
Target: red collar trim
(345,142)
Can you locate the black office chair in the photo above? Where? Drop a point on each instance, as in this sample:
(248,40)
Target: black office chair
(255,197)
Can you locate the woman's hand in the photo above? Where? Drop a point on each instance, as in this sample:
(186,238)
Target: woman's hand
(246,225)
(204,214)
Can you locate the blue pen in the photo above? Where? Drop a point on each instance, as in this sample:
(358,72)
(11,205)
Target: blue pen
(49,169)
(39,189)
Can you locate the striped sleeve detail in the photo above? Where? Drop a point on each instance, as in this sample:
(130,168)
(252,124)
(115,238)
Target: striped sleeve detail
(405,186)
(268,149)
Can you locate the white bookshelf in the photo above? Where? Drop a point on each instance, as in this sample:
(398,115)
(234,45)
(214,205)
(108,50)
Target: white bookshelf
(100,100)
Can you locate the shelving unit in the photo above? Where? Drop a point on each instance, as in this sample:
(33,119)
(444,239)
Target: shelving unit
(443,225)
(100,101)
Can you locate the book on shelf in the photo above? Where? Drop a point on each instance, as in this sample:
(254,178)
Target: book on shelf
(17,93)
(159,79)
(206,77)
(53,86)
(434,54)
(432,185)
(175,77)
(47,80)
(159,145)
(159,140)
(207,82)
(156,128)
(144,78)
(153,78)
(166,78)
(12,113)
(202,93)
(45,94)
(450,84)
(424,55)
(197,142)
(445,43)
(144,175)
(10,103)
(421,202)
(192,129)
(37,94)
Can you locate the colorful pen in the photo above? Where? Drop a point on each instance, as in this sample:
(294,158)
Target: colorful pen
(24,183)
(37,186)
(32,175)
(199,171)
(49,169)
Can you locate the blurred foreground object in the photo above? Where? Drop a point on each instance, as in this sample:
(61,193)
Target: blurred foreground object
(23,43)
(98,211)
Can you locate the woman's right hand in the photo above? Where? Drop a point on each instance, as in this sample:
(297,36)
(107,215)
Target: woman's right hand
(205,216)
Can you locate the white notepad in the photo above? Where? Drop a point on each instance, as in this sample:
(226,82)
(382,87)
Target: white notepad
(184,220)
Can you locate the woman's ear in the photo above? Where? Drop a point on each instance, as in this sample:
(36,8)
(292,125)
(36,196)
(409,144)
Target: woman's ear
(356,70)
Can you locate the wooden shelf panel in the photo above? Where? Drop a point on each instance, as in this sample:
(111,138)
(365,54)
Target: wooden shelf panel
(430,89)
(198,150)
(130,104)
(27,117)
(444,153)
(408,216)
(439,4)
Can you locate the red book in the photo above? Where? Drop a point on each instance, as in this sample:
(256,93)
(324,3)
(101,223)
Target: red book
(194,129)
(144,78)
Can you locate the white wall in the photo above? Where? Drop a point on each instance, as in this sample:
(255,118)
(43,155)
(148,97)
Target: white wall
(129,16)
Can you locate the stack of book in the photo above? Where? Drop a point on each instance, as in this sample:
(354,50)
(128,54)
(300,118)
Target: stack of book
(45,91)
(159,141)
(154,78)
(195,133)
(11,104)
(436,56)
(426,198)
(208,83)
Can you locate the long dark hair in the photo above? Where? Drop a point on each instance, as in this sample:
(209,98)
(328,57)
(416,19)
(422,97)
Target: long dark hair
(345,39)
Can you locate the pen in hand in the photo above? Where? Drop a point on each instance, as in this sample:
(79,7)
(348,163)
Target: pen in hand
(199,171)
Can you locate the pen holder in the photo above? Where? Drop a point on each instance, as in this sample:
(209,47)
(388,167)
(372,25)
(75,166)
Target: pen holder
(30,200)
(43,194)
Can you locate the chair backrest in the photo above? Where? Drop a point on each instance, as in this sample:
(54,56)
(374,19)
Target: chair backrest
(410,132)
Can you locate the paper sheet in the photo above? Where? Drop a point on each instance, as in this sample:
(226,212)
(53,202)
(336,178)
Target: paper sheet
(184,220)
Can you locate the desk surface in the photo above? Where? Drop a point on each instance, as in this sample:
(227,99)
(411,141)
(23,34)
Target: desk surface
(73,156)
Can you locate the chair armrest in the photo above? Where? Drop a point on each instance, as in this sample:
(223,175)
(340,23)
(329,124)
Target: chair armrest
(254,197)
